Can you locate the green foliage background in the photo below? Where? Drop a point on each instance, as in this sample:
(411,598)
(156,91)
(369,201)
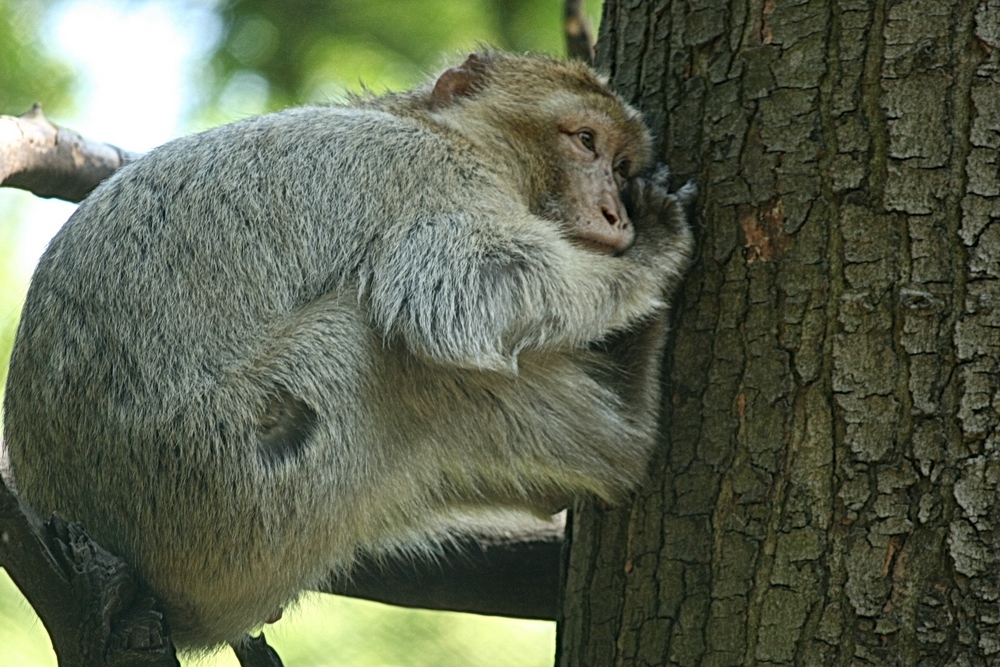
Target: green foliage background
(270,55)
(306,49)
(26,76)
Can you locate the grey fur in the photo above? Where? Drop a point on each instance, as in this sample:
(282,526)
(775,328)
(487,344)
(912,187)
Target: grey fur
(261,348)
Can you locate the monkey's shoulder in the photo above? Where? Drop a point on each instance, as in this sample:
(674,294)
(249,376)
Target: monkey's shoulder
(311,143)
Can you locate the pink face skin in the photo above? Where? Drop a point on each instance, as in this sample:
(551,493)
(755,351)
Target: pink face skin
(598,218)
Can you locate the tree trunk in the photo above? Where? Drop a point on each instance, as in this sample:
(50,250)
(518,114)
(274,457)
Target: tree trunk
(827,488)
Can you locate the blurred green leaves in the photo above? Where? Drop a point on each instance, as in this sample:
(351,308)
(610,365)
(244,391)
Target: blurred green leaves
(27,73)
(311,50)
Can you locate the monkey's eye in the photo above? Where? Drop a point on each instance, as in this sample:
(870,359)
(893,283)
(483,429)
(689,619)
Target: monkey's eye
(586,138)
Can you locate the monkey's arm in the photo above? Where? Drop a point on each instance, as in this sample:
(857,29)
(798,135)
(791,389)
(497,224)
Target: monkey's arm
(477,292)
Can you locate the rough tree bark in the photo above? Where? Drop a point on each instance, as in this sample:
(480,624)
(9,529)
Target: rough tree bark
(827,492)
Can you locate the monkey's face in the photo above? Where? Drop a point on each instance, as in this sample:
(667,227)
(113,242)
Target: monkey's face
(562,138)
(595,166)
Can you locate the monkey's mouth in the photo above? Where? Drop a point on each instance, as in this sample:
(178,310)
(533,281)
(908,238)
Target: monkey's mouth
(597,246)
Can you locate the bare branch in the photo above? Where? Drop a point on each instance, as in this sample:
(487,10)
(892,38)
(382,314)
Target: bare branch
(87,598)
(579,36)
(50,161)
(514,575)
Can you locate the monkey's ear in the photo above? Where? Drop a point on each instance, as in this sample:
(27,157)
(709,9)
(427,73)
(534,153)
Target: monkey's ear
(457,82)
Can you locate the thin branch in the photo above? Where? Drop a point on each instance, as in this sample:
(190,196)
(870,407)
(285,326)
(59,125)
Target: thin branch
(579,36)
(514,575)
(50,161)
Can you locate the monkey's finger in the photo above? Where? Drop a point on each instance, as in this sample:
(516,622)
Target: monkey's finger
(687,193)
(660,176)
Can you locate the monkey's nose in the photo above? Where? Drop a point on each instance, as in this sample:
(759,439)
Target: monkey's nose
(610,216)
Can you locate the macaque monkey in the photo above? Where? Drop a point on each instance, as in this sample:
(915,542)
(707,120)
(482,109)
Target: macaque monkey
(263,350)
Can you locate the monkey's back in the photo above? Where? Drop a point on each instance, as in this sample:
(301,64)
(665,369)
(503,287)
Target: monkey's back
(165,310)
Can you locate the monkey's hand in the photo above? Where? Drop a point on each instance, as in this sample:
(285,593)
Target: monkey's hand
(664,237)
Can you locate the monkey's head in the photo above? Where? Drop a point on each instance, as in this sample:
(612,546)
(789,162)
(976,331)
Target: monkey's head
(564,140)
